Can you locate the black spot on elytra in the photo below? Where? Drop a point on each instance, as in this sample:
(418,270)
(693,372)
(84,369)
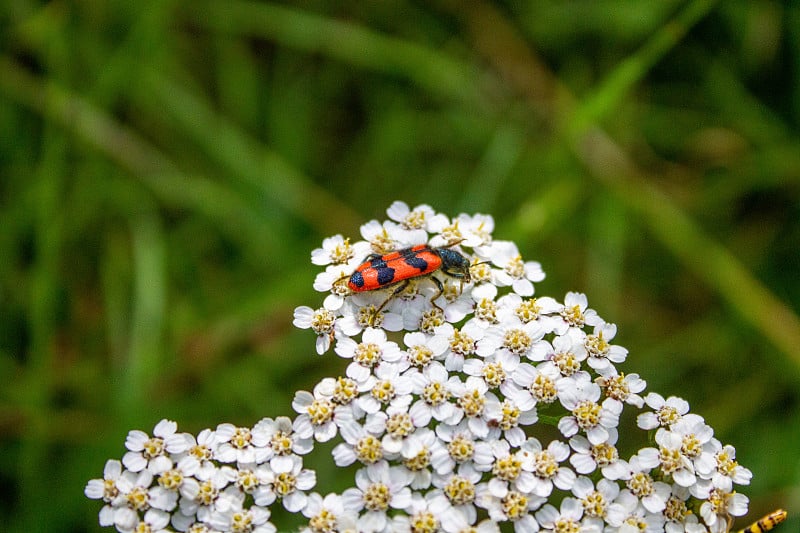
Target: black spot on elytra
(416,262)
(357,279)
(385,275)
(378,262)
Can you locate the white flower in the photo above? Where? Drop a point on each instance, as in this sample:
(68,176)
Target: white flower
(416,453)
(720,505)
(288,483)
(514,507)
(604,455)
(201,498)
(532,385)
(373,349)
(439,422)
(318,415)
(378,489)
(516,273)
(432,388)
(153,452)
(508,471)
(107,490)
(390,236)
(387,386)
(242,445)
(476,230)
(601,353)
(530,309)
(337,250)
(544,464)
(569,352)
(652,494)
(505,419)
(422,217)
(321,321)
(327,514)
(623,388)
(154,521)
(671,459)
(513,339)
(203,448)
(575,313)
(580,397)
(361,311)
(567,519)
(471,397)
(461,343)
(460,447)
(627,514)
(421,349)
(678,517)
(360,445)
(595,500)
(497,374)
(254,519)
(728,471)
(665,412)
(133,499)
(283,441)
(457,494)
(697,443)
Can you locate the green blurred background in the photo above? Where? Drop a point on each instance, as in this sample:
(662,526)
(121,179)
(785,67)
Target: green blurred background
(166,167)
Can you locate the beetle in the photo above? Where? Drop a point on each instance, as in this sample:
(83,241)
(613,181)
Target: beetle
(401,266)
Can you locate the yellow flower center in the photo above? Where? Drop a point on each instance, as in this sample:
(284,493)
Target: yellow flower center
(528,310)
(241,438)
(494,374)
(435,393)
(377,497)
(399,425)
(320,411)
(345,391)
(472,402)
(587,414)
(515,505)
(461,449)
(171,479)
(424,522)
(322,321)
(460,490)
(641,484)
(369,450)
(247,481)
(153,447)
(461,343)
(342,252)
(367,354)
(507,468)
(383,391)
(517,341)
(573,315)
(284,483)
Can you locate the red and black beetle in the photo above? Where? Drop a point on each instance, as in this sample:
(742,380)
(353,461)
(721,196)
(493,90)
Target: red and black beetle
(401,266)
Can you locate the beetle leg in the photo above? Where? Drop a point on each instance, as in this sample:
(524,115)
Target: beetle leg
(441,291)
(400,288)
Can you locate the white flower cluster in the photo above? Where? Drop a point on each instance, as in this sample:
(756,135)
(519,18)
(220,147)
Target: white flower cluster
(448,385)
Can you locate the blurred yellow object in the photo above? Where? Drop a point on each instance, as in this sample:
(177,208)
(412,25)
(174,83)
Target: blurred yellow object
(767,522)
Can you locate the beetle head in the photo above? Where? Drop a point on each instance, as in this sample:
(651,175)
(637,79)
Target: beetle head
(454,264)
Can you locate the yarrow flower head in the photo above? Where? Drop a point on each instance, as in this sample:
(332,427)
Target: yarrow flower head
(452,360)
